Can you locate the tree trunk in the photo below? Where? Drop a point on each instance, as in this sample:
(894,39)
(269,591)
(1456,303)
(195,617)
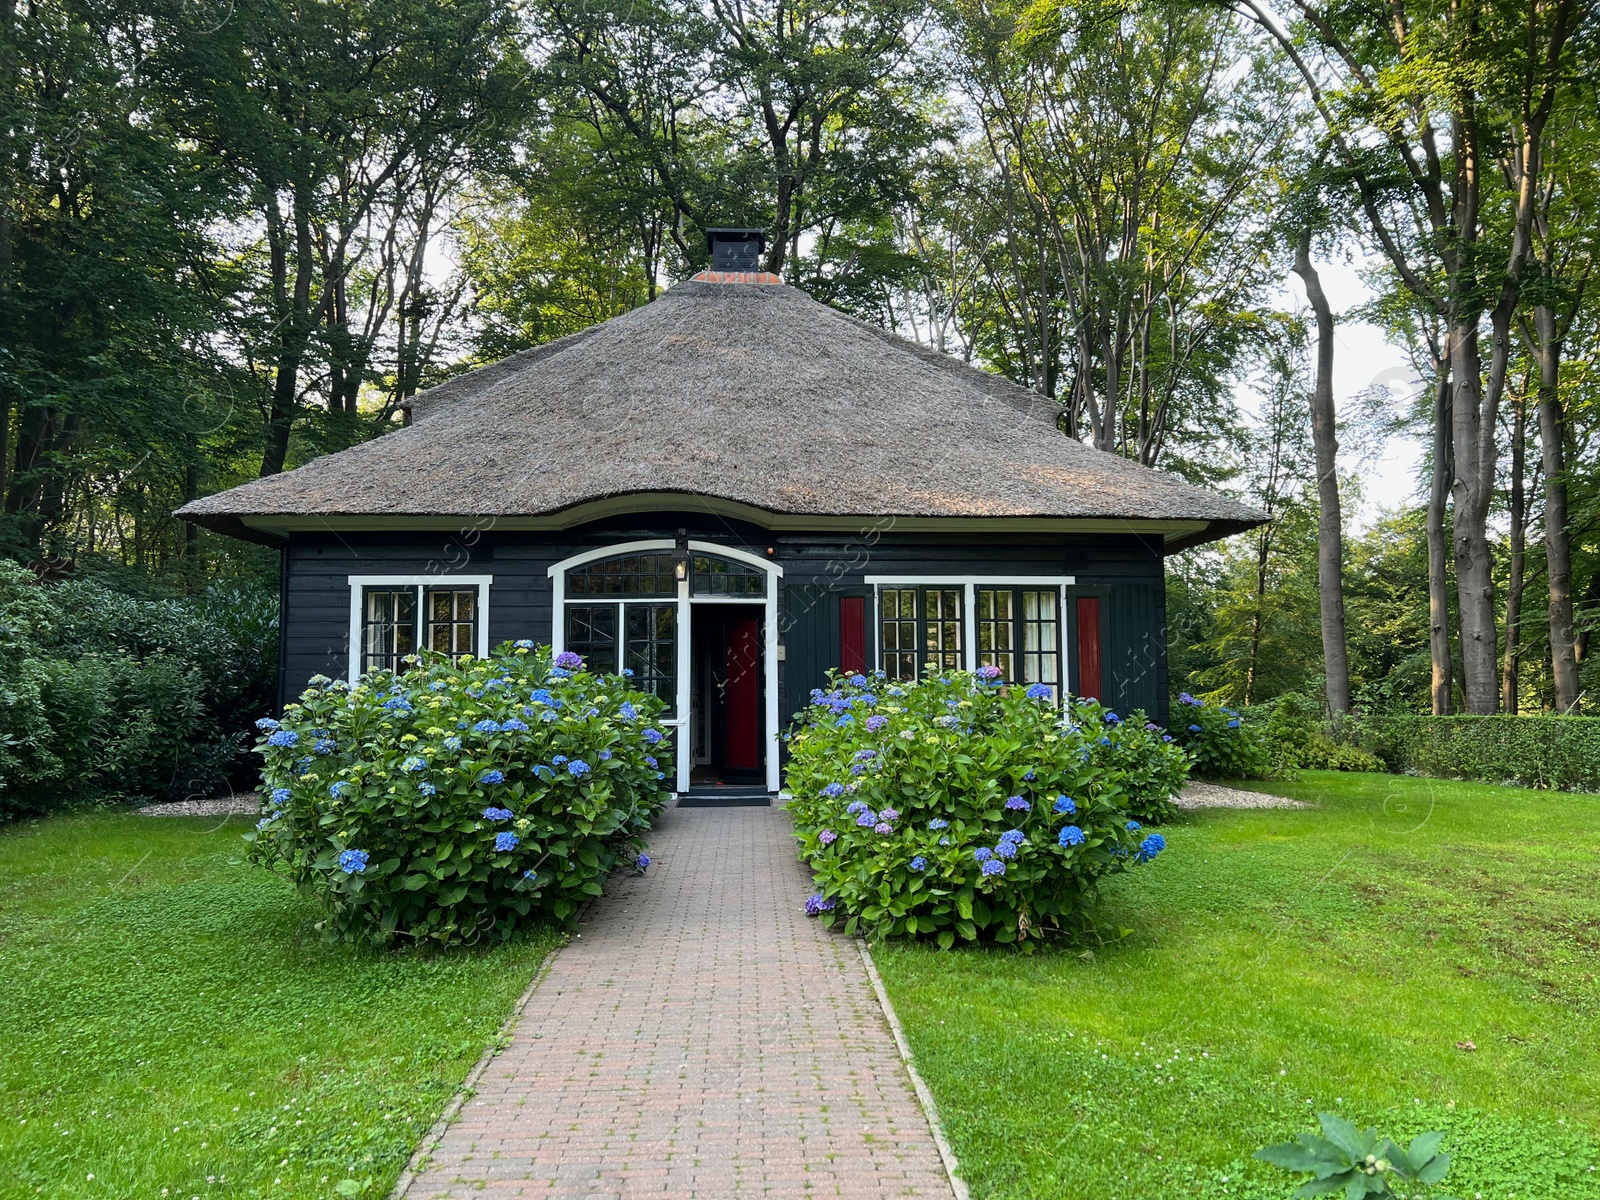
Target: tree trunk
(1330,517)
(1438,581)
(1519,525)
(1471,490)
(1557,544)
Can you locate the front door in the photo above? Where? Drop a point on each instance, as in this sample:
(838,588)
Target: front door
(727,694)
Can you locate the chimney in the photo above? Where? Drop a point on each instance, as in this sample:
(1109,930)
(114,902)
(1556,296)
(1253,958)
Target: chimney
(736,249)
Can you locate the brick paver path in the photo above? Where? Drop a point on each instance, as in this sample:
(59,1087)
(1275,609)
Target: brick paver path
(702,1038)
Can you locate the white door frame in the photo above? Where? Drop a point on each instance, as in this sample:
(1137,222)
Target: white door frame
(681,727)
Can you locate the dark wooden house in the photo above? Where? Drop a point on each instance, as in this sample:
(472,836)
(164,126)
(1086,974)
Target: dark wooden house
(729,491)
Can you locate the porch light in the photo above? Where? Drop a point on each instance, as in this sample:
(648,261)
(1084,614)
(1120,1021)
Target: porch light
(680,557)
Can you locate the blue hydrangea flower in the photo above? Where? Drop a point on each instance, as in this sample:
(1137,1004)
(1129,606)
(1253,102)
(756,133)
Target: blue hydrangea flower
(1150,847)
(1005,849)
(1133,827)
(578,768)
(325,746)
(889,814)
(876,723)
(919,863)
(938,823)
(542,696)
(834,790)
(983,854)
(414,763)
(855,806)
(353,862)
(605,756)
(513,726)
(487,726)
(452,743)
(642,861)
(661,774)
(496,814)
(858,681)
(1065,804)
(285,738)
(1233,724)
(266,821)
(1017,804)
(1166,737)
(1040,691)
(867,819)
(591,711)
(427,789)
(341,787)
(993,866)
(397,704)
(817,695)
(866,698)
(492,777)
(506,842)
(652,736)
(627,672)
(858,768)
(544,772)
(559,673)
(568,661)
(1071,835)
(522,644)
(1111,718)
(847,719)
(1185,698)
(865,755)
(280,796)
(628,712)
(559,760)
(1194,729)
(1013,837)
(649,760)
(266,724)
(944,841)
(818,903)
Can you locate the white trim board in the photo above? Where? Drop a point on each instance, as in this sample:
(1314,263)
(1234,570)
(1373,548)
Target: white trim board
(359,583)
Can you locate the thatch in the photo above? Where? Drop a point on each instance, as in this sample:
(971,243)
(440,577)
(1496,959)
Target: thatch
(747,393)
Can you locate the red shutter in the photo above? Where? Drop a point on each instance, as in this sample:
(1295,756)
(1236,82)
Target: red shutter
(1089,647)
(852,634)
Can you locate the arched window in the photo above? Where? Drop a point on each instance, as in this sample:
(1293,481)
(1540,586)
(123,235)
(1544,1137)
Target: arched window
(723,577)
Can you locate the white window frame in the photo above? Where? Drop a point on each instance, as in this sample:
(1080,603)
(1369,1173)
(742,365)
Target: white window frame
(969,608)
(683,742)
(360,583)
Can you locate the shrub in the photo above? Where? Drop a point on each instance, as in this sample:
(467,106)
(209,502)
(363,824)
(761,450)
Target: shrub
(960,807)
(1140,754)
(104,695)
(1532,751)
(459,801)
(1298,739)
(1220,743)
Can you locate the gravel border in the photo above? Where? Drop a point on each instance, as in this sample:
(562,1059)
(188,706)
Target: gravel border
(246,804)
(1197,795)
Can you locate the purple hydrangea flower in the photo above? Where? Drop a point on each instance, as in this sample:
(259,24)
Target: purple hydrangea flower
(568,661)
(827,837)
(889,814)
(1185,698)
(506,842)
(876,722)
(1017,804)
(882,827)
(988,672)
(817,903)
(642,861)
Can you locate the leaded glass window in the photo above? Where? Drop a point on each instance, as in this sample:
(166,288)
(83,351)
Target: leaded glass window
(592,633)
(996,630)
(625,575)
(941,628)
(899,632)
(1019,631)
(389,628)
(723,577)
(452,620)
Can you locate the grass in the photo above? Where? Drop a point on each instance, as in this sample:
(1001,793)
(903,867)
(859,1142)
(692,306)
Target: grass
(1278,963)
(173,1026)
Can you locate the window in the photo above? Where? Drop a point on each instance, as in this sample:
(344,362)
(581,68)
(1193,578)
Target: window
(920,626)
(592,632)
(722,577)
(652,649)
(1019,631)
(625,575)
(393,617)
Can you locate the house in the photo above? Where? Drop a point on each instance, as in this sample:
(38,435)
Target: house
(730,490)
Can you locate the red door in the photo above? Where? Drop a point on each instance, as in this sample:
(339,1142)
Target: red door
(742,745)
(1089,647)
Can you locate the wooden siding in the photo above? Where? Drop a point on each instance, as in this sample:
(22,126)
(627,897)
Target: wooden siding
(1125,571)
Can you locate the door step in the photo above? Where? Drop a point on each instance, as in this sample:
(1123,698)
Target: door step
(723,796)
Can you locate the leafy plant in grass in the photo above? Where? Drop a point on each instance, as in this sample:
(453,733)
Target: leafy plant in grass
(1139,753)
(1361,1162)
(459,801)
(959,807)
(1220,743)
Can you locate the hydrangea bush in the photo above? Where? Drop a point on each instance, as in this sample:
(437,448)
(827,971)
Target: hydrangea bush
(1220,742)
(960,807)
(460,800)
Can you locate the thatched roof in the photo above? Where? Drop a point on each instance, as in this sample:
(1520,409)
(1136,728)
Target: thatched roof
(744,398)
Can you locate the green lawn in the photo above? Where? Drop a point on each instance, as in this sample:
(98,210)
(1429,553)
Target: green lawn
(1283,962)
(172,1025)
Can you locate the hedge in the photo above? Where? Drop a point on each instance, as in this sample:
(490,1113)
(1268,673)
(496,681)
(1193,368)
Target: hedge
(1561,753)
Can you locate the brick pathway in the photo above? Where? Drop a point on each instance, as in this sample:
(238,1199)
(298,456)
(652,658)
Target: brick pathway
(703,1038)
